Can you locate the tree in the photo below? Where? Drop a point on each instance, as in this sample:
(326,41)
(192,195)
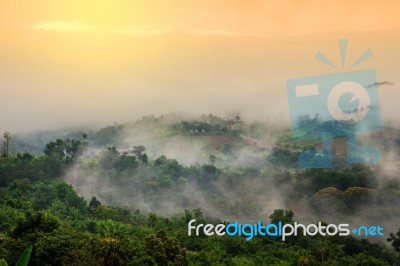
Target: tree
(395,239)
(144,159)
(7,142)
(358,196)
(166,250)
(113,247)
(74,148)
(152,220)
(64,149)
(34,223)
(212,158)
(94,203)
(109,158)
(63,246)
(209,170)
(43,196)
(55,157)
(55,149)
(138,150)
(198,215)
(329,200)
(126,162)
(317,118)
(284,216)
(84,144)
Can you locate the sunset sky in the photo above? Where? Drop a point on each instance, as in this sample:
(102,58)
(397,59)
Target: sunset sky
(66,63)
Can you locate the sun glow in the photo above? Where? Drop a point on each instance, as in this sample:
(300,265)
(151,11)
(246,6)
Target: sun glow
(172,55)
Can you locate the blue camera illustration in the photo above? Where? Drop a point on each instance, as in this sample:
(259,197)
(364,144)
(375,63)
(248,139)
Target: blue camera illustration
(329,112)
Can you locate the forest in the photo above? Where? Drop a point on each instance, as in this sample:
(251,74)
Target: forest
(88,198)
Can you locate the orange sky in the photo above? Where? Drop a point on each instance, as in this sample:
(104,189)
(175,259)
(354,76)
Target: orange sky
(74,62)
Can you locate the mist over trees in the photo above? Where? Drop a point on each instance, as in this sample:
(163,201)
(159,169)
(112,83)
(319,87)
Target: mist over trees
(104,197)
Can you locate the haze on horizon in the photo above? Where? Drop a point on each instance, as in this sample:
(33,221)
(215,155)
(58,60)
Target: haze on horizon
(71,63)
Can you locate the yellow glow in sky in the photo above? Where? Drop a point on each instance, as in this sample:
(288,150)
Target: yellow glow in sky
(118,60)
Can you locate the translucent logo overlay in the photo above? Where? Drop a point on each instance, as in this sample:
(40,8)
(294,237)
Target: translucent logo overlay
(329,112)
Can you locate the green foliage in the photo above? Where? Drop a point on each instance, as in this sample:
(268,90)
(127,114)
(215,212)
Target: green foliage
(12,168)
(34,223)
(395,240)
(357,196)
(38,208)
(45,193)
(108,135)
(24,260)
(64,149)
(168,167)
(94,203)
(112,246)
(329,199)
(111,158)
(8,216)
(284,156)
(165,249)
(284,216)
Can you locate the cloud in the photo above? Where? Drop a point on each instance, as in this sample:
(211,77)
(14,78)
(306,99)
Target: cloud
(141,31)
(135,31)
(205,32)
(63,26)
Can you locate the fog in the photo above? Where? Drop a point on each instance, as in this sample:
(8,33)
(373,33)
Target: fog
(178,73)
(254,198)
(53,82)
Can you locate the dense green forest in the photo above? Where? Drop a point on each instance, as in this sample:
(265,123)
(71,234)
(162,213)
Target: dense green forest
(127,208)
